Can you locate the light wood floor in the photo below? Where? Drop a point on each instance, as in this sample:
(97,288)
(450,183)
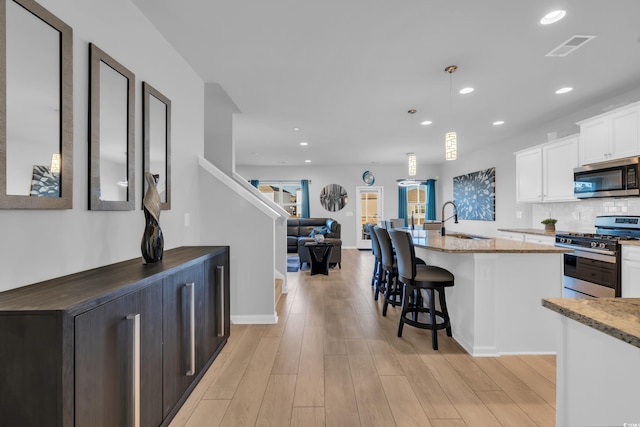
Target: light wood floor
(333,360)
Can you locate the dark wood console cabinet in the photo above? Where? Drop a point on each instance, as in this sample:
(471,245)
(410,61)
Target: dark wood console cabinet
(120,345)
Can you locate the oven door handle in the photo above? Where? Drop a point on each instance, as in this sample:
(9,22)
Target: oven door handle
(583,250)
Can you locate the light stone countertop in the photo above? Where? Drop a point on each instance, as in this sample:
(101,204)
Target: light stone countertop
(432,240)
(536,231)
(618,317)
(629,242)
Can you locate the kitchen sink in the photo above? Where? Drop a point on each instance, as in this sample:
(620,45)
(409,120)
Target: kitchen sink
(466,236)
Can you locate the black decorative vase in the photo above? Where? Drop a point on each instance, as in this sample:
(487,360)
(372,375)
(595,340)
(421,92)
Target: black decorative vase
(152,244)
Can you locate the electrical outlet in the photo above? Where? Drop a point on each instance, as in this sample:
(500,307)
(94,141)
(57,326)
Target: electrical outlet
(519,214)
(187,220)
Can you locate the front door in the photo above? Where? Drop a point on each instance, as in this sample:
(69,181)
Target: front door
(369,209)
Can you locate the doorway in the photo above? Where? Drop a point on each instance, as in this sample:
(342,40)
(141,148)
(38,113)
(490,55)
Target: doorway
(368,209)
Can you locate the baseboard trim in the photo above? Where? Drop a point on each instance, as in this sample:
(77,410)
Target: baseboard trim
(262,319)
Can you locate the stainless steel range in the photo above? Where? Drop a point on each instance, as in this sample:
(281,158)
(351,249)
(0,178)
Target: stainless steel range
(593,268)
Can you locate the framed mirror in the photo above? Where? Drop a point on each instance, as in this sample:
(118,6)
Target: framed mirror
(36,108)
(156,132)
(112,144)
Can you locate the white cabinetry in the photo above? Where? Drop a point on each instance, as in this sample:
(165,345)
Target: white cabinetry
(630,271)
(544,173)
(612,135)
(518,237)
(542,240)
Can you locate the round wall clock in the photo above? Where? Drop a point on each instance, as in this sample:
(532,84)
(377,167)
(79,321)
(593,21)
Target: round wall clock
(368,178)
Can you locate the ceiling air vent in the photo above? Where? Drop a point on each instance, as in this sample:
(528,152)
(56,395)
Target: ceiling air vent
(570,45)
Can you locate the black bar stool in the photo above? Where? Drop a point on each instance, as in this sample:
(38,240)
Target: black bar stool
(375,250)
(393,290)
(416,277)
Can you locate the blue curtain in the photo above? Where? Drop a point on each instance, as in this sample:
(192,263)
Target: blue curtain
(431,199)
(402,203)
(305,198)
(255,182)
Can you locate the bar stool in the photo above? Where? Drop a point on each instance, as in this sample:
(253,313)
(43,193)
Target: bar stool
(415,278)
(375,250)
(393,290)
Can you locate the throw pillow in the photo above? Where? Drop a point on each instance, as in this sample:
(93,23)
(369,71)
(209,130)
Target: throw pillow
(319,230)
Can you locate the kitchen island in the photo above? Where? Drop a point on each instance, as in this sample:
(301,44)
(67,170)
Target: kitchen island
(495,303)
(598,361)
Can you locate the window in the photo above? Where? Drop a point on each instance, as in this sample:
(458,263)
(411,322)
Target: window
(416,203)
(286,194)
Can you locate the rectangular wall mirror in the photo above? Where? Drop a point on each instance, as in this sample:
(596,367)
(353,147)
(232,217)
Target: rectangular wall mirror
(157,141)
(112,143)
(36,108)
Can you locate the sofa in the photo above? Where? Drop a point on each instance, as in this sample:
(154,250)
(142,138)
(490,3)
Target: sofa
(300,231)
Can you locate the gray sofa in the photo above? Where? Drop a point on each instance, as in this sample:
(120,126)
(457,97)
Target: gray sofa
(299,232)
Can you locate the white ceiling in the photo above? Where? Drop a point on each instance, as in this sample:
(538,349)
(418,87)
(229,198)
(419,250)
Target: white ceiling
(347,71)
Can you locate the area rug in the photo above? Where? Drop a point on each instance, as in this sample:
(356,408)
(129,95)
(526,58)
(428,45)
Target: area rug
(293,263)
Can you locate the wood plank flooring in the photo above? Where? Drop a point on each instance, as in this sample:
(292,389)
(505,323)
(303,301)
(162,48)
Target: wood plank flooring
(333,360)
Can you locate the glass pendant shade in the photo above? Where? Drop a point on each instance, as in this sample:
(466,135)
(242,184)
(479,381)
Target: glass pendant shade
(451,146)
(412,164)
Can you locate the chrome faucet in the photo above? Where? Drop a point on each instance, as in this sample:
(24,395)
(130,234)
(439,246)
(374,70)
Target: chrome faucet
(454,216)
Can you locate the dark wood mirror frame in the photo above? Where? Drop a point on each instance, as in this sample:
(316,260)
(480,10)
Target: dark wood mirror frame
(11,201)
(98,56)
(147,92)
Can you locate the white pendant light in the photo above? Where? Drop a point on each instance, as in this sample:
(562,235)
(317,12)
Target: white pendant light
(451,138)
(412,164)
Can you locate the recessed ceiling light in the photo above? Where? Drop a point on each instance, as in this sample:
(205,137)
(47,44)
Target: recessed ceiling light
(466,90)
(564,90)
(553,17)
(304,143)
(498,122)
(296,129)
(426,123)
(307,161)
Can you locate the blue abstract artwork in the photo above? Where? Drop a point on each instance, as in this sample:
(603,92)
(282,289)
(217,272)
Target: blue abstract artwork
(475,195)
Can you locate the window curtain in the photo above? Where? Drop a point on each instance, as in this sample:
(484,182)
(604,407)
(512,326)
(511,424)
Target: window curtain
(304,184)
(402,203)
(255,182)
(431,200)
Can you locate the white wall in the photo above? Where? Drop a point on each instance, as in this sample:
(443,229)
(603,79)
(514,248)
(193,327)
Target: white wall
(42,244)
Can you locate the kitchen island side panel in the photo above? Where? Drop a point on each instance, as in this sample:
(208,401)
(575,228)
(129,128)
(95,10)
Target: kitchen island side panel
(495,303)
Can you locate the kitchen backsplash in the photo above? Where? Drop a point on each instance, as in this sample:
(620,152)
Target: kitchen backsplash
(580,216)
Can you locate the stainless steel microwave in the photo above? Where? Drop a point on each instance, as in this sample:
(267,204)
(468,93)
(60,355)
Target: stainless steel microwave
(615,178)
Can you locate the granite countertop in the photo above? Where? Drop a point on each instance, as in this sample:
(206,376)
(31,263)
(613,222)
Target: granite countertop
(536,231)
(629,242)
(618,317)
(434,241)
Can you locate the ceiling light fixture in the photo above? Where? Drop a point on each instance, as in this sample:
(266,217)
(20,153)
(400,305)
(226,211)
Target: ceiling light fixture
(466,90)
(304,143)
(553,17)
(307,161)
(426,123)
(564,90)
(498,123)
(412,164)
(451,138)
(296,129)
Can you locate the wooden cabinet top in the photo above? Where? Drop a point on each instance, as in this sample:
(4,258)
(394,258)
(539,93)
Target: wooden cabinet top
(82,291)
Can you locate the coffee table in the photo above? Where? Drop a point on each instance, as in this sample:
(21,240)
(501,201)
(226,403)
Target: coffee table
(319,254)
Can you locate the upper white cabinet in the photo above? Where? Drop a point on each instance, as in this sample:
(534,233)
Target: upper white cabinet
(544,173)
(612,135)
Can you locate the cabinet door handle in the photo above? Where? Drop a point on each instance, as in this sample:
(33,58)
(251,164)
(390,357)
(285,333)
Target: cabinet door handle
(192,329)
(133,321)
(221,325)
